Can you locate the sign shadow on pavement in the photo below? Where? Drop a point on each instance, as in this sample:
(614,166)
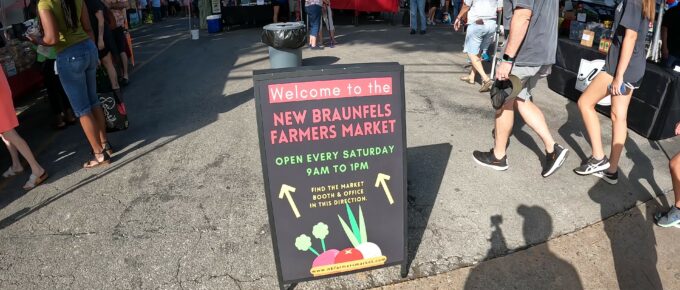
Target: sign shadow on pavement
(426,167)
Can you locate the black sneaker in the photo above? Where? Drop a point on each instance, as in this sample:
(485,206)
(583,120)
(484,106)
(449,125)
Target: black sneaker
(413,31)
(489,160)
(423,32)
(592,165)
(611,178)
(554,160)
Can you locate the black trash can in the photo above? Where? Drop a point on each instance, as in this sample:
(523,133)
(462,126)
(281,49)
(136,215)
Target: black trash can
(285,42)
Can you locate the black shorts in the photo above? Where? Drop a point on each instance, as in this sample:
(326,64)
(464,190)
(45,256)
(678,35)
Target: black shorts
(119,39)
(109,44)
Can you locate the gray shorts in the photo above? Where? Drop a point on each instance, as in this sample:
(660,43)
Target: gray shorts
(529,75)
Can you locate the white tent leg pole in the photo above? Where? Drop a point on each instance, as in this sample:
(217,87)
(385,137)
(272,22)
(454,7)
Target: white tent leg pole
(653,52)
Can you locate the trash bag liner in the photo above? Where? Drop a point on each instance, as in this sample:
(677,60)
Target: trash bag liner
(288,35)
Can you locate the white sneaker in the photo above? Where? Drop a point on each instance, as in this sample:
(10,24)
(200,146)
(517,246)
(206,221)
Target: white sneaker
(670,219)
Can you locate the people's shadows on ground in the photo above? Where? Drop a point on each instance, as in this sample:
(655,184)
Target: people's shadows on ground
(522,136)
(630,234)
(536,268)
(426,168)
(574,128)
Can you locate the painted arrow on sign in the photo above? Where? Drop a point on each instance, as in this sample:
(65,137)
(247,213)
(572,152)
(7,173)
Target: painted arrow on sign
(381,180)
(285,191)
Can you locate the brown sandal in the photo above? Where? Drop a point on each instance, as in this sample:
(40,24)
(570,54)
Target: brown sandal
(108,148)
(96,163)
(486,86)
(468,80)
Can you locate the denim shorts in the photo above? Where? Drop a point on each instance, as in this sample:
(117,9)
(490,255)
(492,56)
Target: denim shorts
(314,14)
(77,69)
(479,36)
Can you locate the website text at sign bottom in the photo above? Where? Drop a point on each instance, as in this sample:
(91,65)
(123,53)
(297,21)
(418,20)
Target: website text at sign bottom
(348,266)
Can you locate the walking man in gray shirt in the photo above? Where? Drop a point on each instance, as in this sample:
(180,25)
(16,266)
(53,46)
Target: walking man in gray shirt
(529,55)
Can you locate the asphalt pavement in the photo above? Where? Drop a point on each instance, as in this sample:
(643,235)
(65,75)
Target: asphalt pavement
(183,204)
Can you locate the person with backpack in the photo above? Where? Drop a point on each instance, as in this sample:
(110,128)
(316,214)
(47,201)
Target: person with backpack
(119,31)
(102,34)
(529,54)
(66,26)
(622,74)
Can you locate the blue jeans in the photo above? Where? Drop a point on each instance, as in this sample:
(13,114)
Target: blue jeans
(157,15)
(77,69)
(456,8)
(314,17)
(418,8)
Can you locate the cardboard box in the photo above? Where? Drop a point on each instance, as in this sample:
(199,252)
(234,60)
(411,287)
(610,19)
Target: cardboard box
(587,38)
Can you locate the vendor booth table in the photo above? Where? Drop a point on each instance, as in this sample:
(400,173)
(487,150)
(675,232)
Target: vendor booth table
(367,6)
(655,107)
(247,15)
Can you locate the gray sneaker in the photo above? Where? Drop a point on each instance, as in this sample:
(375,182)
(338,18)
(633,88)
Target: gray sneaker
(670,219)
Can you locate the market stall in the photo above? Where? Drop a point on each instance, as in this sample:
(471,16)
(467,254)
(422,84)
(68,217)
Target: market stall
(367,6)
(246,13)
(17,55)
(655,106)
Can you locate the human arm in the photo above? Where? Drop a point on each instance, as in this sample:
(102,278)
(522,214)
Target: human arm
(49,26)
(627,47)
(100,29)
(518,30)
(461,15)
(664,42)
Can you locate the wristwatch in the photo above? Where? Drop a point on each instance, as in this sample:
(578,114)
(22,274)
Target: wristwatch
(507,58)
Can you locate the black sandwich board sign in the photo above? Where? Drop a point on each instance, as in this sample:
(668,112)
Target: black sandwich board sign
(333,148)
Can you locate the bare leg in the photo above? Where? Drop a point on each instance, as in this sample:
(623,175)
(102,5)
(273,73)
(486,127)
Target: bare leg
(276,13)
(124,61)
(505,119)
(100,120)
(19,143)
(675,175)
(476,62)
(14,154)
(92,130)
(595,92)
(111,71)
(534,118)
(619,116)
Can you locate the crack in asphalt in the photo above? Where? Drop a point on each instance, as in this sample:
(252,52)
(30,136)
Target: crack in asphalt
(179,261)
(67,234)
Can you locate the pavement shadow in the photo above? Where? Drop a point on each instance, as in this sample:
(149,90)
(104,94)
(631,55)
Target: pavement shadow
(537,268)
(161,108)
(436,40)
(426,168)
(320,60)
(574,128)
(524,138)
(631,234)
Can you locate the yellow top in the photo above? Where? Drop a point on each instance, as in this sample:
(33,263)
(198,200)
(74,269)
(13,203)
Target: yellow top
(67,36)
